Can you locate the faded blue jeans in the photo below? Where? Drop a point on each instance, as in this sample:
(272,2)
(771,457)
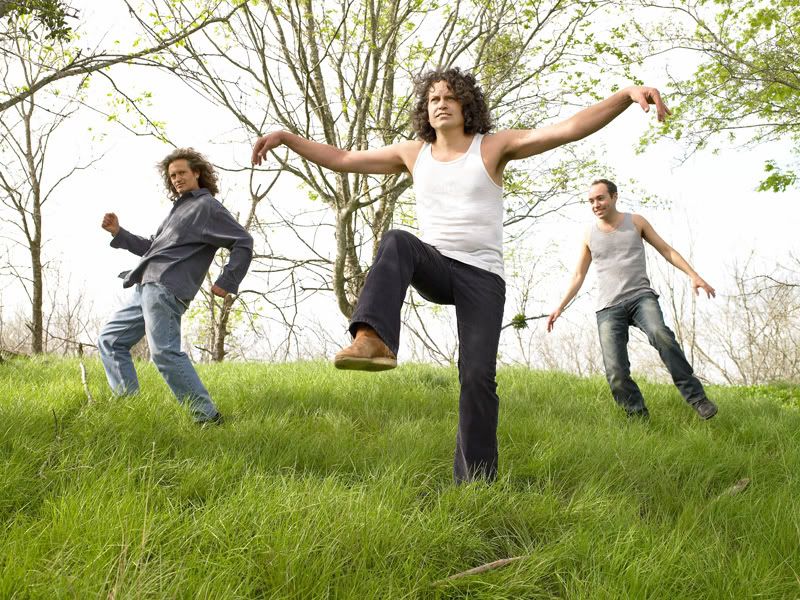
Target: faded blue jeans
(153,311)
(645,313)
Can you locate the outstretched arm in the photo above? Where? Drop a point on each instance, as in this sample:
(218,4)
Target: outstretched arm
(576,282)
(516,144)
(673,257)
(389,159)
(124,238)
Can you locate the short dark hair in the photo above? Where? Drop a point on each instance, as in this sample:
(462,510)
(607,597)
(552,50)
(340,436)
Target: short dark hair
(477,118)
(610,186)
(197,163)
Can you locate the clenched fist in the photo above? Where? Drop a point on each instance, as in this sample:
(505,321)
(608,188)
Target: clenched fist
(218,291)
(110,223)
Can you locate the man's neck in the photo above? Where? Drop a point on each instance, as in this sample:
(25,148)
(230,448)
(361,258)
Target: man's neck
(610,219)
(452,140)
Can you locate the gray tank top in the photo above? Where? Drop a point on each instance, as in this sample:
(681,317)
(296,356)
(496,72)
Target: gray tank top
(619,259)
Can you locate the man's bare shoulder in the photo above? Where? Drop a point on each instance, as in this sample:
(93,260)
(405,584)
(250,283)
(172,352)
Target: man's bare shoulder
(408,145)
(495,144)
(587,234)
(638,220)
(409,148)
(408,151)
(499,137)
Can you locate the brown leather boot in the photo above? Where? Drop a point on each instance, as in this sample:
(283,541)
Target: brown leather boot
(366,353)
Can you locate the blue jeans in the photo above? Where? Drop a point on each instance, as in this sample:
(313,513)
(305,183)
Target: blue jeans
(153,311)
(645,313)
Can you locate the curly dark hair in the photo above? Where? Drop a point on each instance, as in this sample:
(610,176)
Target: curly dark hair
(197,163)
(466,90)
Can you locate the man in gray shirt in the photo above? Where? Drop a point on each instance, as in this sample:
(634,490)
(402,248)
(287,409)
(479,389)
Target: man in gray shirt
(625,298)
(174,262)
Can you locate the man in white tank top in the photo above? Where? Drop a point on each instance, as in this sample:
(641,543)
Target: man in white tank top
(457,167)
(625,298)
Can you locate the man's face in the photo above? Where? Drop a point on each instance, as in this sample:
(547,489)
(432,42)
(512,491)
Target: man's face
(601,201)
(183,179)
(444,111)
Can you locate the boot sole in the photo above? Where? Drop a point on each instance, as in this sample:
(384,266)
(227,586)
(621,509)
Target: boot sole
(350,363)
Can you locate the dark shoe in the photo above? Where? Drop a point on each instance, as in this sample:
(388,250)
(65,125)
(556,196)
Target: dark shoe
(705,408)
(366,353)
(639,415)
(217,419)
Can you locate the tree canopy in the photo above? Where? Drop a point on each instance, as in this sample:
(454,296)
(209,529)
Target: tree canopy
(747,87)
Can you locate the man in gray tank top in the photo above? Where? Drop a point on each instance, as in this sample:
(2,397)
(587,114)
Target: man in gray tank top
(625,298)
(457,164)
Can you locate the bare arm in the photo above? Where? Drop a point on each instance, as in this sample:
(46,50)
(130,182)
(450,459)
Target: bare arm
(672,256)
(389,159)
(578,277)
(515,144)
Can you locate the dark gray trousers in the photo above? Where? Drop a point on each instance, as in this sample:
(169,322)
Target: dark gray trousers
(479,297)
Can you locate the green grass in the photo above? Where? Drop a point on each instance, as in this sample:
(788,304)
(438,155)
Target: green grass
(325,484)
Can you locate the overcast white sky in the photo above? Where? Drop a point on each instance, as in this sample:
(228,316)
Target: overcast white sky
(713,205)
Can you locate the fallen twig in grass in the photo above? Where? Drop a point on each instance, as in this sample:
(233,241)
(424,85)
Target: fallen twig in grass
(55,447)
(85,384)
(738,487)
(481,569)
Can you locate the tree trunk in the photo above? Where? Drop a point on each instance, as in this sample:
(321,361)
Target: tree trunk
(340,284)
(37,343)
(35,237)
(218,350)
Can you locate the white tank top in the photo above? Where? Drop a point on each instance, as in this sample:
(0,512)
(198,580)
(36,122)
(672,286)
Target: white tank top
(460,208)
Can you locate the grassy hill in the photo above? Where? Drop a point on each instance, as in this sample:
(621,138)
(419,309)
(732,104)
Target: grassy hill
(325,484)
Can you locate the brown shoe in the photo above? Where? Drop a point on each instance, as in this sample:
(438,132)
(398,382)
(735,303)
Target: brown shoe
(366,353)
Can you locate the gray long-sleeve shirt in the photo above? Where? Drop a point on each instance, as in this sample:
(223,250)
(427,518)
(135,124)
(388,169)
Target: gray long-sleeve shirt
(180,253)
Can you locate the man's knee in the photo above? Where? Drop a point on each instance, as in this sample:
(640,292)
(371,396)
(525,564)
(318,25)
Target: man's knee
(396,237)
(479,377)
(165,356)
(662,336)
(105,343)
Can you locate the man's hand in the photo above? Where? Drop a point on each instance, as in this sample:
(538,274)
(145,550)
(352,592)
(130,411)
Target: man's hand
(263,145)
(218,291)
(110,223)
(698,283)
(645,96)
(551,320)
